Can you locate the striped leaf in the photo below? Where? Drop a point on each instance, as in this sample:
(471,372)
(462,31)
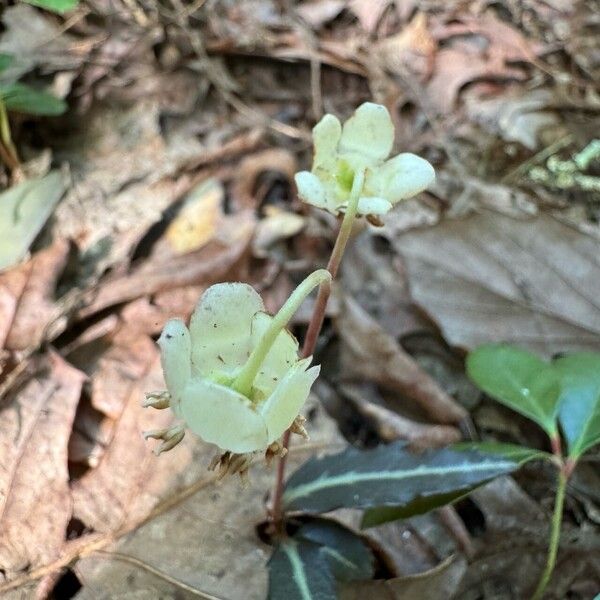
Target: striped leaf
(389,476)
(349,557)
(298,571)
(517,454)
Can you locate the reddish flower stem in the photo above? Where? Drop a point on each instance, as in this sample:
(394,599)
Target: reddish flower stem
(314,328)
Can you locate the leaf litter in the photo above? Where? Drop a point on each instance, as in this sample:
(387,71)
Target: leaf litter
(180,158)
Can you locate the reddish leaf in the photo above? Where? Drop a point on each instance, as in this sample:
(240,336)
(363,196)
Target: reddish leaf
(35,501)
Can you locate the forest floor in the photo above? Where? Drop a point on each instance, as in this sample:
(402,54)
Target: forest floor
(185,125)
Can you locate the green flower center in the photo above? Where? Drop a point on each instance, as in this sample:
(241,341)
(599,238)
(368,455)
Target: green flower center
(344,176)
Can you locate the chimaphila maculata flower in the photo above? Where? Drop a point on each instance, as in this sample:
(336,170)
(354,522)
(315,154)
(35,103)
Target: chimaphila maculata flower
(359,149)
(234,377)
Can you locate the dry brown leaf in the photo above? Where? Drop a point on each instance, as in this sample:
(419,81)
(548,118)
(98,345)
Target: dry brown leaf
(211,263)
(206,540)
(440,583)
(391,426)
(26,304)
(126,361)
(465,59)
(369,12)
(320,12)
(368,351)
(410,51)
(122,488)
(490,278)
(35,501)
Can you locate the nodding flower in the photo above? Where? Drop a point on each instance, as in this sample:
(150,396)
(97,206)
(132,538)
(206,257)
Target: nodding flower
(234,377)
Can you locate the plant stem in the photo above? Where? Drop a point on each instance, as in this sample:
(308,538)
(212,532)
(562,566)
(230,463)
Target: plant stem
(243,382)
(316,323)
(554,536)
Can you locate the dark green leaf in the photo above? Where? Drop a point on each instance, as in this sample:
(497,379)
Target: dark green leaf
(514,452)
(389,475)
(57,6)
(519,380)
(5,60)
(297,571)
(349,557)
(580,400)
(419,506)
(22,98)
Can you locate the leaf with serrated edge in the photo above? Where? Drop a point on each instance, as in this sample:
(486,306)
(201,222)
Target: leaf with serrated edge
(297,571)
(514,452)
(349,556)
(579,411)
(384,514)
(518,379)
(388,476)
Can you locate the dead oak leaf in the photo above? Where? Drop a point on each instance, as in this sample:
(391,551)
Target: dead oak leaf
(476,49)
(490,278)
(128,480)
(35,500)
(26,304)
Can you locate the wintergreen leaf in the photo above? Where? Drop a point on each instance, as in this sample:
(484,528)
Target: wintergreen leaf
(388,475)
(23,98)
(348,555)
(419,506)
(519,380)
(24,209)
(579,411)
(514,452)
(57,6)
(5,60)
(298,571)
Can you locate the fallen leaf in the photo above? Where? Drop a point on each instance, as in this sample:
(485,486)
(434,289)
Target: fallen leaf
(24,209)
(410,51)
(476,49)
(126,361)
(369,12)
(197,221)
(320,12)
(210,264)
(35,40)
(26,297)
(390,426)
(155,560)
(440,583)
(129,479)
(35,501)
(369,352)
(277,225)
(515,116)
(489,278)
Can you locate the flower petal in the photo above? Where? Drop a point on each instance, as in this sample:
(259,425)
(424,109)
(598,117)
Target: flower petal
(282,356)
(221,416)
(326,135)
(175,357)
(369,132)
(284,404)
(373,206)
(221,326)
(402,177)
(310,188)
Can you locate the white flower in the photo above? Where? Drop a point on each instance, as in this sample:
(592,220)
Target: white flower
(201,365)
(363,143)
